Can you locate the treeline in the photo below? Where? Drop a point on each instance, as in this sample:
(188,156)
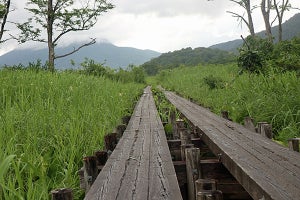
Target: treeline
(91,68)
(187,57)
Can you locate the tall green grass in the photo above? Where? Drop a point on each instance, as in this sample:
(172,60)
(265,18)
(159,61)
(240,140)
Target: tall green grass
(48,122)
(273,97)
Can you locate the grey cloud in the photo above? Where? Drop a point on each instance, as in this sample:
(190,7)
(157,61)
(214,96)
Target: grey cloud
(169,8)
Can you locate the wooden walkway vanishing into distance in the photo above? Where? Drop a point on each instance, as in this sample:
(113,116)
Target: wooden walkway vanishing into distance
(224,160)
(140,167)
(265,169)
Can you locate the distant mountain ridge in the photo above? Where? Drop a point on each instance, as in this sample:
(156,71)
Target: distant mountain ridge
(291,28)
(187,57)
(113,56)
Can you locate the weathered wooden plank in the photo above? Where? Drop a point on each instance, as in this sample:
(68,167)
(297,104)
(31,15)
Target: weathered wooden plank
(265,169)
(140,166)
(223,125)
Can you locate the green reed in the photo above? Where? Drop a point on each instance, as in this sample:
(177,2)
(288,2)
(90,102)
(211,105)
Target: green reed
(48,122)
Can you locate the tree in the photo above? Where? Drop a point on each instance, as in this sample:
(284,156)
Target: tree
(280,9)
(4,10)
(58,18)
(266,6)
(247,6)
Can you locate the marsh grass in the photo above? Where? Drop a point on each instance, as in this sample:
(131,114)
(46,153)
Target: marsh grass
(48,122)
(273,97)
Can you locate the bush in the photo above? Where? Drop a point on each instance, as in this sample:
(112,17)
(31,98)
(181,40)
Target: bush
(286,55)
(257,53)
(131,74)
(213,82)
(138,75)
(90,67)
(250,61)
(32,66)
(254,54)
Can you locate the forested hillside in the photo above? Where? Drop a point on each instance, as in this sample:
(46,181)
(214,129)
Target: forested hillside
(187,57)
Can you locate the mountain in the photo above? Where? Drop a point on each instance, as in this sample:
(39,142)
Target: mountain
(291,28)
(112,55)
(187,57)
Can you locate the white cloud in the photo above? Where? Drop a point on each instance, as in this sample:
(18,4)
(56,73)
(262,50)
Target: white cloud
(167,8)
(161,25)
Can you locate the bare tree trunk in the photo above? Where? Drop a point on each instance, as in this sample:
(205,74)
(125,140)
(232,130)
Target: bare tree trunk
(265,9)
(4,20)
(247,6)
(250,20)
(279,29)
(50,20)
(280,11)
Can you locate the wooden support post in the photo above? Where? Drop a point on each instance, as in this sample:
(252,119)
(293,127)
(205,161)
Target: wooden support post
(183,148)
(81,178)
(265,129)
(249,124)
(205,184)
(126,119)
(210,195)
(172,120)
(180,124)
(120,130)
(174,147)
(294,144)
(199,132)
(225,115)
(62,194)
(194,133)
(110,141)
(90,171)
(192,170)
(102,157)
(185,136)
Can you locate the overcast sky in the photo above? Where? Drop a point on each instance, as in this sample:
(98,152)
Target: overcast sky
(160,25)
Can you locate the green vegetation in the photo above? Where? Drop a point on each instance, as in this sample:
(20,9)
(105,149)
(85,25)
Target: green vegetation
(2,10)
(187,57)
(92,68)
(273,97)
(258,55)
(131,74)
(48,122)
(165,110)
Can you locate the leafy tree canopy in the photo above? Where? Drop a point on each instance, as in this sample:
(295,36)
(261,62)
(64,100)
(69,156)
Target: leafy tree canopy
(58,18)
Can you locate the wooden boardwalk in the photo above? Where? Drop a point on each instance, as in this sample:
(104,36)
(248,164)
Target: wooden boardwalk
(140,167)
(264,168)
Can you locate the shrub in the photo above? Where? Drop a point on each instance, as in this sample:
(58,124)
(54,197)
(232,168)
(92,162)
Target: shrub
(254,54)
(250,61)
(286,55)
(90,67)
(213,82)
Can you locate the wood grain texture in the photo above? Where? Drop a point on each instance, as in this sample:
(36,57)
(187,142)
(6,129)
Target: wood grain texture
(264,168)
(140,167)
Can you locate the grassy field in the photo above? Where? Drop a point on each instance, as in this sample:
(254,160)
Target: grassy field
(274,97)
(48,122)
